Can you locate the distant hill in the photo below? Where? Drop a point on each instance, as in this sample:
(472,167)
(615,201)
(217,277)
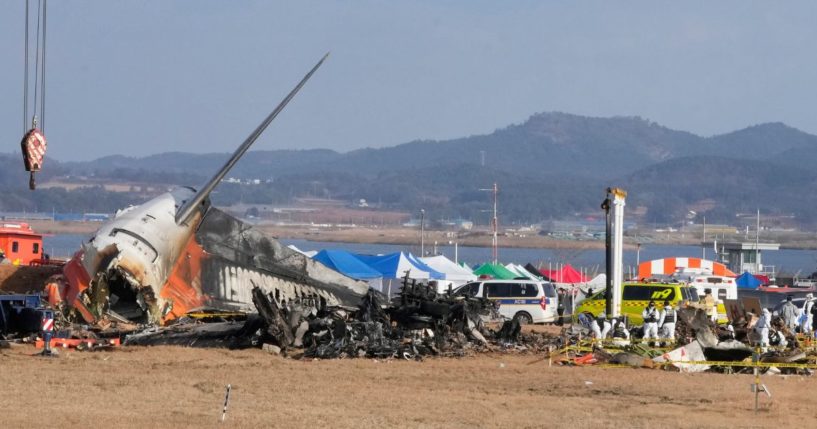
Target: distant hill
(550,166)
(736,185)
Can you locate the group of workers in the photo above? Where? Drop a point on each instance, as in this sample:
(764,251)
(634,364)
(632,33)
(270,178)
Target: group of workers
(658,325)
(794,320)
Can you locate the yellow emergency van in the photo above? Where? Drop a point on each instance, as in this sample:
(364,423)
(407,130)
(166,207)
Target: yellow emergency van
(636,296)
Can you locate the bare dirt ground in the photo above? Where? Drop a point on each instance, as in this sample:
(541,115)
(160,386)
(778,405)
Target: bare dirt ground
(24,279)
(179,387)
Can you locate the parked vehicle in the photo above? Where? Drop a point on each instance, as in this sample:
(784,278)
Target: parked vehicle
(722,287)
(527,301)
(636,296)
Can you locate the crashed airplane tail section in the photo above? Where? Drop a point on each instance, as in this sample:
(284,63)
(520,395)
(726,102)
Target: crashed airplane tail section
(160,260)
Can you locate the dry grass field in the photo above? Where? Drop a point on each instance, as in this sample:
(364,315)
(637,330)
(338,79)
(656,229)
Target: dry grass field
(179,387)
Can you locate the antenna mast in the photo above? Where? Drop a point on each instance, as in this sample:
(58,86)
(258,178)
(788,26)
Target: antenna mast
(494,242)
(494,226)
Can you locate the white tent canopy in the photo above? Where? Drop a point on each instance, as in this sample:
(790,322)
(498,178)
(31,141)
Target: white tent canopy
(455,274)
(451,269)
(520,271)
(307,253)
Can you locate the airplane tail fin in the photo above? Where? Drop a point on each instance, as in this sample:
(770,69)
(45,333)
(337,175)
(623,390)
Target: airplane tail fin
(188,208)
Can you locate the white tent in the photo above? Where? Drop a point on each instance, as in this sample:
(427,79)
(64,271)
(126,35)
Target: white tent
(307,253)
(455,274)
(395,266)
(520,271)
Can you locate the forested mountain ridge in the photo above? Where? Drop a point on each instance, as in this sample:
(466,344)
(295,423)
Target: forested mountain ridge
(552,165)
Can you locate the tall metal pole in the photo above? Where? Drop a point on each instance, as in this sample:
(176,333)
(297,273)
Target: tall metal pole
(456,256)
(422,232)
(619,197)
(703,241)
(608,293)
(614,248)
(757,244)
(496,227)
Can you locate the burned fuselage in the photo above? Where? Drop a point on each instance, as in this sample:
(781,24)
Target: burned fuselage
(145,268)
(122,269)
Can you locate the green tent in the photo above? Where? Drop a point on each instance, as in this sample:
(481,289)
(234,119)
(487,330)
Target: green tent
(496,271)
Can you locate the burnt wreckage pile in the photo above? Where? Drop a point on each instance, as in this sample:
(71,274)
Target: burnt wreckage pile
(419,322)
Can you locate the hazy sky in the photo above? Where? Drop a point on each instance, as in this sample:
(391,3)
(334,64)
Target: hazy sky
(141,77)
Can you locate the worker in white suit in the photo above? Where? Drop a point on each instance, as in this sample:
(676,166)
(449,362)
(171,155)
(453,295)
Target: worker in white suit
(806,318)
(600,327)
(764,323)
(666,321)
(650,316)
(621,336)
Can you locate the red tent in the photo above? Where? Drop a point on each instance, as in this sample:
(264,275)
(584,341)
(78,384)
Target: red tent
(567,274)
(764,280)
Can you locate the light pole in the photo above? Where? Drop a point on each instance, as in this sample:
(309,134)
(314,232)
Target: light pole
(422,232)
(494,226)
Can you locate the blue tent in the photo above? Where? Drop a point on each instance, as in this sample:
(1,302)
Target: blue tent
(747,281)
(395,265)
(346,263)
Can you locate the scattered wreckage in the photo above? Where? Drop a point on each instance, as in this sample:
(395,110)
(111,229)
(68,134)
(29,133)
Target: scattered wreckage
(419,322)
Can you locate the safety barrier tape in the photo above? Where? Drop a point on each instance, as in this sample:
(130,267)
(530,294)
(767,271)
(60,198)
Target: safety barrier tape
(746,364)
(742,364)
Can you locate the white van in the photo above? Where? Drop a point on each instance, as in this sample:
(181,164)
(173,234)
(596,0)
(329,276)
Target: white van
(723,288)
(528,301)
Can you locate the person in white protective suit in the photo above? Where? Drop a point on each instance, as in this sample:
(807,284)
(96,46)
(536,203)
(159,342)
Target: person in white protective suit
(789,313)
(764,323)
(621,336)
(600,327)
(650,316)
(806,318)
(666,321)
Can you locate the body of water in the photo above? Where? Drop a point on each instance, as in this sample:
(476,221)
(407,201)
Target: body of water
(785,261)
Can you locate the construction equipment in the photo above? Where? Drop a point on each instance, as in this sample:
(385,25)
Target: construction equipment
(20,314)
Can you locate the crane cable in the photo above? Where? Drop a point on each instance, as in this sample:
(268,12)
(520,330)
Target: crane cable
(25,76)
(34,143)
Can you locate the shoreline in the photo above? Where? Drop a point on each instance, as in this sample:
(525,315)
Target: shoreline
(411,237)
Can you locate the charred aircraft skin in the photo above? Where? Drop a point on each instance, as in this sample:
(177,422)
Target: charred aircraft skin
(143,267)
(158,261)
(129,259)
(239,256)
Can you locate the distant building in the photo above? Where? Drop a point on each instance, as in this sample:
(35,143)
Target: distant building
(716,229)
(743,256)
(19,243)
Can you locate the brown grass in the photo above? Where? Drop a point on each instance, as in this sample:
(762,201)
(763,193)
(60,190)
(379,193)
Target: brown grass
(177,387)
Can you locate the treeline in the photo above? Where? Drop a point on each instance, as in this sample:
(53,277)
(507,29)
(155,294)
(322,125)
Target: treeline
(552,166)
